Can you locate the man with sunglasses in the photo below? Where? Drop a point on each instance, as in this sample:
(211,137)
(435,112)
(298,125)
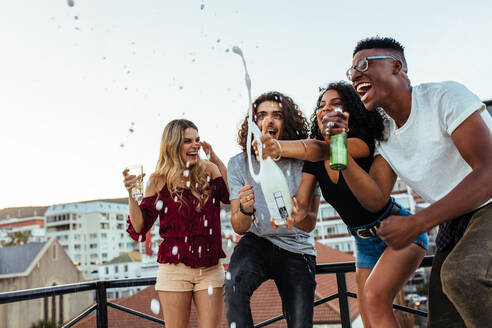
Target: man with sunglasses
(439,143)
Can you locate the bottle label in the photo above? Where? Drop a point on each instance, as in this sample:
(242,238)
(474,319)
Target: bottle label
(277,207)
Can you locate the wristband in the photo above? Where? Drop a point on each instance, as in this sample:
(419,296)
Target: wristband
(244,212)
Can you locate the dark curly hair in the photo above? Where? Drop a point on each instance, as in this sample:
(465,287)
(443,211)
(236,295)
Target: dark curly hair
(295,124)
(362,123)
(378,42)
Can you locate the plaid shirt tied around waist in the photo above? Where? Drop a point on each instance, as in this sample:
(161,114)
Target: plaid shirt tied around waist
(450,232)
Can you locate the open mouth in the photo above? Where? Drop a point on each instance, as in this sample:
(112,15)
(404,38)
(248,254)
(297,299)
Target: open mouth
(192,154)
(272,132)
(363,89)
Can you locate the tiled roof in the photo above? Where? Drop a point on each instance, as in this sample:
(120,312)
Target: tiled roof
(127,257)
(16,259)
(265,302)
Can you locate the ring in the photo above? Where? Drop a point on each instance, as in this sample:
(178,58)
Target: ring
(331,124)
(248,198)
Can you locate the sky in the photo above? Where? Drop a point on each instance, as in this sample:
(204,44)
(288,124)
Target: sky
(76,79)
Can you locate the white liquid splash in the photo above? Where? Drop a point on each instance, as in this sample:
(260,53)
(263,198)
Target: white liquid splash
(155,306)
(158,205)
(253,130)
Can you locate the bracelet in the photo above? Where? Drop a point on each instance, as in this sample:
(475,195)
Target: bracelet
(280,147)
(304,144)
(244,212)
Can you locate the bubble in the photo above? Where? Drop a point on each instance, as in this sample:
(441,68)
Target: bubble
(210,290)
(213,200)
(70,3)
(208,178)
(200,272)
(155,306)
(202,6)
(229,243)
(233,325)
(158,205)
(165,210)
(186,239)
(205,223)
(131,130)
(228,275)
(223,214)
(187,184)
(280,104)
(187,163)
(208,156)
(175,250)
(196,185)
(218,40)
(200,251)
(210,231)
(75,17)
(288,172)
(227,50)
(175,199)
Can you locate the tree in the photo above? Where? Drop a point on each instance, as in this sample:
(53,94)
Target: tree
(17,238)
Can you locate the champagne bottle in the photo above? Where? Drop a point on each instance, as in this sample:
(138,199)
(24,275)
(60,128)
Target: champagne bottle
(276,191)
(338,149)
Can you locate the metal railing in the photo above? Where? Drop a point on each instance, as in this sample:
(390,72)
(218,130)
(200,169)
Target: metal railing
(101,305)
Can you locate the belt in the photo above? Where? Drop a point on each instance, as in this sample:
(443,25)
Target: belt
(371,231)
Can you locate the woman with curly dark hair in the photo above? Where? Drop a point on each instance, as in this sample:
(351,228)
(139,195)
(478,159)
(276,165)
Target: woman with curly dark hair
(381,271)
(284,254)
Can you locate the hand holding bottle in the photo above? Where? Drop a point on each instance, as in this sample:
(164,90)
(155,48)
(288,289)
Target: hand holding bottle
(247,197)
(271,147)
(332,123)
(290,218)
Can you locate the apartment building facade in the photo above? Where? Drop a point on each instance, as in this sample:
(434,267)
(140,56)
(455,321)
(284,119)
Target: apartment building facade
(91,233)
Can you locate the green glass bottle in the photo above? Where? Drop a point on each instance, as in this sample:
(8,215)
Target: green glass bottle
(338,149)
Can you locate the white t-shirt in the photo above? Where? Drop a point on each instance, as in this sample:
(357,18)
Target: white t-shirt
(421,152)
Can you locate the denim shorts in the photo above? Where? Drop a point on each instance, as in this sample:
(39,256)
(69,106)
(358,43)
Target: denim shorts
(368,251)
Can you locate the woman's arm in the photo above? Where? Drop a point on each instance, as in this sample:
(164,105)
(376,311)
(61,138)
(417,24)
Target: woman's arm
(306,204)
(222,169)
(135,213)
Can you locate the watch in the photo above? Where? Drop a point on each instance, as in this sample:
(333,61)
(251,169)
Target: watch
(244,212)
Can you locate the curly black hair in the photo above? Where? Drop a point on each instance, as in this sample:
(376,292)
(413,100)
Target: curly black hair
(387,43)
(362,123)
(295,123)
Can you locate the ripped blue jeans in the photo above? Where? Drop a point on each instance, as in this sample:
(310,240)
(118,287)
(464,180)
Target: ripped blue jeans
(254,261)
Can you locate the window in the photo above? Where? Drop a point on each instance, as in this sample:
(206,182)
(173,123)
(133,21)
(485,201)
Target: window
(104,235)
(93,245)
(93,235)
(76,246)
(107,270)
(120,226)
(94,256)
(115,269)
(74,226)
(76,236)
(120,217)
(104,255)
(104,225)
(126,267)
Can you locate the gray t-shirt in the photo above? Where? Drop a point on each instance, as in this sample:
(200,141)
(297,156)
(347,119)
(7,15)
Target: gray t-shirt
(295,240)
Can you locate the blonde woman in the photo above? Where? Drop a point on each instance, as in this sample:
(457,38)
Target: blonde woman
(185,191)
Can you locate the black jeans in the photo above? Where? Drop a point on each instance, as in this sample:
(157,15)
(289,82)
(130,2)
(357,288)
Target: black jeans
(256,260)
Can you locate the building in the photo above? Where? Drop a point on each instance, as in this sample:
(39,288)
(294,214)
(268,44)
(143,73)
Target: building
(90,232)
(127,265)
(32,227)
(35,265)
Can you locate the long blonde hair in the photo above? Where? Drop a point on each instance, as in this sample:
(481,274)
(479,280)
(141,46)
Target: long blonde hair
(170,165)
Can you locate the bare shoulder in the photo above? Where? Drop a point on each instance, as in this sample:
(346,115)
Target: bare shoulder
(155,184)
(212,169)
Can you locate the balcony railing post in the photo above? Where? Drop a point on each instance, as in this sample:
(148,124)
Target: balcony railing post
(343,300)
(102,305)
